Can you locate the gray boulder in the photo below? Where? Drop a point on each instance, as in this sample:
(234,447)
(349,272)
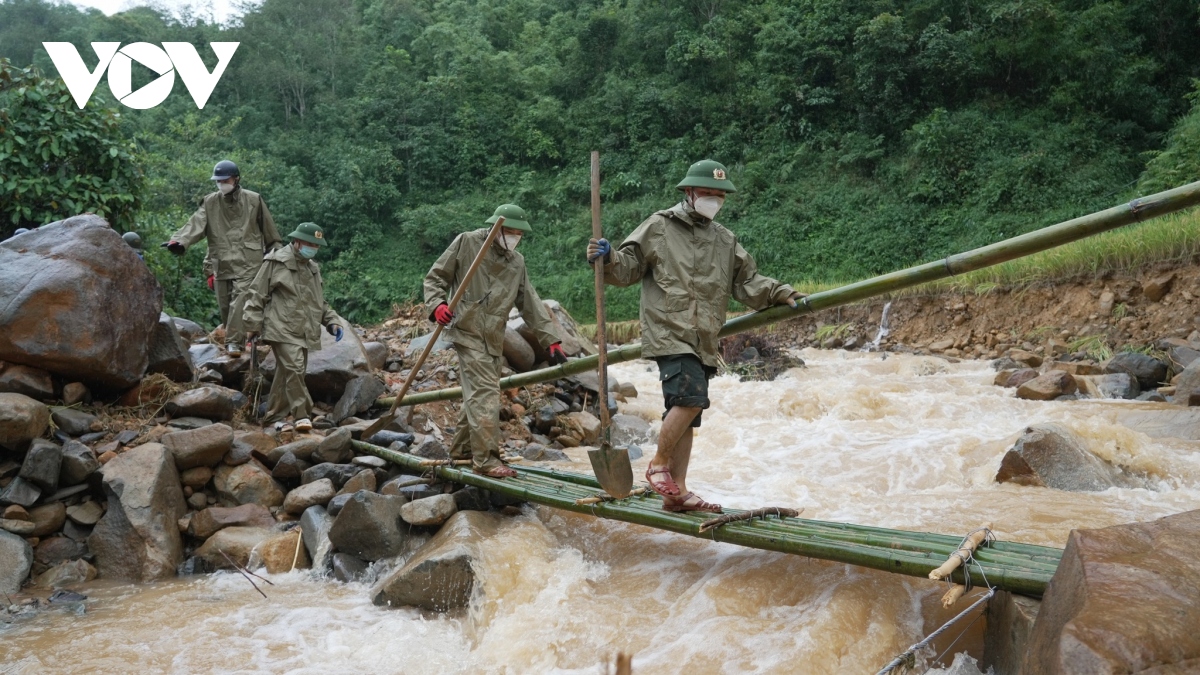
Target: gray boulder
(335,448)
(74,422)
(1112,385)
(289,470)
(317,493)
(138,537)
(358,397)
(418,343)
(42,465)
(430,448)
(202,355)
(377,354)
(369,526)
(332,367)
(628,429)
(249,483)
(237,542)
(168,353)
(429,512)
(16,559)
(440,575)
(1051,455)
(32,382)
(20,492)
(471,498)
(208,522)
(301,449)
(210,401)
(78,462)
(386,438)
(80,277)
(517,351)
(314,528)
(199,447)
(347,568)
(338,473)
(190,331)
(1147,370)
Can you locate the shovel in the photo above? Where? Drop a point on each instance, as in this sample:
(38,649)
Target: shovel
(382,422)
(610,464)
(254,381)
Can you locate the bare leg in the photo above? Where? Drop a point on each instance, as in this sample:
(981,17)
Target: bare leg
(679,463)
(676,430)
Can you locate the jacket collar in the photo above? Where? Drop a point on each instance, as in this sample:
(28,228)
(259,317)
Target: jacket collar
(681,212)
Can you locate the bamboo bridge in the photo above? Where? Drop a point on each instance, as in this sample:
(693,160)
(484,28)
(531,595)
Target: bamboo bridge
(1020,568)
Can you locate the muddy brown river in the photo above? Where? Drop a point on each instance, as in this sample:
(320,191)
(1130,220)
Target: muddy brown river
(903,442)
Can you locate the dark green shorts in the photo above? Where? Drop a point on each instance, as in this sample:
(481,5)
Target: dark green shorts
(684,382)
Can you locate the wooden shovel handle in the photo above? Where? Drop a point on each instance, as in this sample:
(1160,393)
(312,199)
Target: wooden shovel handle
(601,336)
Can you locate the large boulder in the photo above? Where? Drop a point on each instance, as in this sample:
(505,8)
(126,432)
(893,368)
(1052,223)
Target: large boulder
(315,524)
(517,351)
(440,575)
(22,419)
(1187,387)
(369,526)
(77,301)
(235,542)
(210,402)
(168,352)
(32,382)
(78,462)
(249,483)
(199,447)
(1051,455)
(1048,386)
(628,429)
(317,493)
(1112,385)
(1006,635)
(358,397)
(42,465)
(429,512)
(332,367)
(277,553)
(16,558)
(1147,370)
(1124,599)
(138,537)
(208,522)
(75,422)
(418,343)
(334,448)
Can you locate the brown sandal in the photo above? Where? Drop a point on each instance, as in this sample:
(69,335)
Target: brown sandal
(680,504)
(665,487)
(498,472)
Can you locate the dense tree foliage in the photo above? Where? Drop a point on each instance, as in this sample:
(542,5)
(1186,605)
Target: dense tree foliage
(863,136)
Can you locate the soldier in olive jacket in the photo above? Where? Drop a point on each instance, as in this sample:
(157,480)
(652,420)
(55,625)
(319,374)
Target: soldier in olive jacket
(240,231)
(477,330)
(689,266)
(285,304)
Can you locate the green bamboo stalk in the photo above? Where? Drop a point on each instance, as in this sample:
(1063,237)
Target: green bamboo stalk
(557,492)
(1136,211)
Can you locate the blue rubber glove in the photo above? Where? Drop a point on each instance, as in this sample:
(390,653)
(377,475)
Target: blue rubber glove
(598,249)
(336,331)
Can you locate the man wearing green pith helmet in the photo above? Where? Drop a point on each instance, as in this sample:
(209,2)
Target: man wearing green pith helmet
(476,328)
(689,266)
(285,305)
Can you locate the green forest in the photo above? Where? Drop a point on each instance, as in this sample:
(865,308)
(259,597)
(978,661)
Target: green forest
(863,135)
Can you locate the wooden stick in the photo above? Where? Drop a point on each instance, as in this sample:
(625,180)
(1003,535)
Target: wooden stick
(964,551)
(445,462)
(243,573)
(605,497)
(749,515)
(953,595)
(601,334)
(296,555)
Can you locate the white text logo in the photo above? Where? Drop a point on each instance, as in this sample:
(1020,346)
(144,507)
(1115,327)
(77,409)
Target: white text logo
(172,57)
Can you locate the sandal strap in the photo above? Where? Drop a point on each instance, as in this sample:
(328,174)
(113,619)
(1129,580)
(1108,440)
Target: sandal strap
(650,471)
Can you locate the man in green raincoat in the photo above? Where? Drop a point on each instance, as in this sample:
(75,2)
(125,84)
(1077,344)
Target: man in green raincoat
(689,266)
(285,304)
(240,231)
(477,330)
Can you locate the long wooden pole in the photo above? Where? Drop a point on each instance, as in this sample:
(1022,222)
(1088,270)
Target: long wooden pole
(601,337)
(1136,211)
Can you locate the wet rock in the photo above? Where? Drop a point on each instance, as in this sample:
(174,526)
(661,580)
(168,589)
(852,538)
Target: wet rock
(533,452)
(418,343)
(76,392)
(22,419)
(197,501)
(335,505)
(16,559)
(202,355)
(188,330)
(1115,385)
(87,513)
(413,492)
(347,568)
(544,419)
(21,527)
(1077,367)
(1051,455)
(278,552)
(1152,396)
(363,480)
(55,551)
(1149,371)
(1005,363)
(628,429)
(211,402)
(627,390)
(588,424)
(331,368)
(138,537)
(289,470)
(1028,359)
(1048,386)
(196,478)
(517,351)
(168,353)
(199,447)
(440,575)
(471,498)
(429,512)
(358,397)
(1186,386)
(47,519)
(20,492)
(312,494)
(394,485)
(32,382)
(78,462)
(338,473)
(78,533)
(64,574)
(1020,377)
(302,448)
(1125,599)
(248,483)
(235,542)
(335,448)
(377,354)
(370,462)
(369,526)
(1182,356)
(386,438)
(430,448)
(314,524)
(80,277)
(74,422)
(209,521)
(42,464)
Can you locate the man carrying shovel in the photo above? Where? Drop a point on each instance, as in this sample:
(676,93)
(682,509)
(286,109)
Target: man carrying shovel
(689,266)
(477,329)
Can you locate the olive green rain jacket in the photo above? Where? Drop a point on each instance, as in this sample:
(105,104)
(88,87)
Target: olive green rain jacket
(689,268)
(500,283)
(286,301)
(239,229)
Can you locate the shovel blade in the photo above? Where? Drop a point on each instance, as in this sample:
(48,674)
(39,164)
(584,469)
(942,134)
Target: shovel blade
(612,469)
(377,427)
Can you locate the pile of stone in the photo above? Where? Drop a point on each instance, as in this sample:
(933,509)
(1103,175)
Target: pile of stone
(1128,375)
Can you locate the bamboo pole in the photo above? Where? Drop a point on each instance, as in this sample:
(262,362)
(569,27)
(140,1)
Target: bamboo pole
(1136,211)
(794,536)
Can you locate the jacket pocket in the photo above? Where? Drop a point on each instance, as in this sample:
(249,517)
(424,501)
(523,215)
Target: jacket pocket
(676,301)
(669,369)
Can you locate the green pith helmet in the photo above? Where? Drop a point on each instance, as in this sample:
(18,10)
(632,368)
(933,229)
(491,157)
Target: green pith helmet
(133,239)
(310,233)
(707,173)
(514,217)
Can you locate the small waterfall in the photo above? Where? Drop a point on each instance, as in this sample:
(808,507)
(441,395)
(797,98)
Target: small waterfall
(883,329)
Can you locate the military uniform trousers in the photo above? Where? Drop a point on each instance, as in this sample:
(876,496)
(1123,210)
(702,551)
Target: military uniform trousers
(231,298)
(288,396)
(478,434)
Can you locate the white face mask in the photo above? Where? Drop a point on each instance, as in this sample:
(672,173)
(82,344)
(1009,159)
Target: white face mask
(510,241)
(225,188)
(708,206)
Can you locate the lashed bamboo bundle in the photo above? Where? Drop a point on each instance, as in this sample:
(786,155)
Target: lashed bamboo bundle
(1020,568)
